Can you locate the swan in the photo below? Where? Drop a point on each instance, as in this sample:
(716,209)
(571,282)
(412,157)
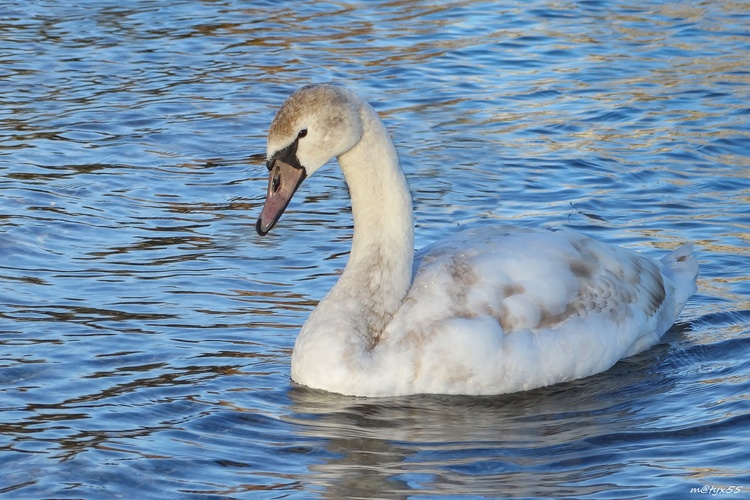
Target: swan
(489,310)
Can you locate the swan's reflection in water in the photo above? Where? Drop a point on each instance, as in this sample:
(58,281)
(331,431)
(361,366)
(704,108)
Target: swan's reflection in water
(539,443)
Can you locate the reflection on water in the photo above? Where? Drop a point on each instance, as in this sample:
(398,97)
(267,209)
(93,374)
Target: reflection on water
(145,331)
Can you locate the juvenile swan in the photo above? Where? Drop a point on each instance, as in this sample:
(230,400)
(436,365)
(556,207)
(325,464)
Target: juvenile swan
(490,310)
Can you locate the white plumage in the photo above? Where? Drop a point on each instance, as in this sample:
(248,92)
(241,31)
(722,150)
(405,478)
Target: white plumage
(490,310)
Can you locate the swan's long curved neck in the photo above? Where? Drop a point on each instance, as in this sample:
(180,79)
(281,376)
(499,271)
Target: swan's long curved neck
(378,274)
(383,242)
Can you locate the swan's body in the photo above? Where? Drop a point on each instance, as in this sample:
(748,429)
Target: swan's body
(491,310)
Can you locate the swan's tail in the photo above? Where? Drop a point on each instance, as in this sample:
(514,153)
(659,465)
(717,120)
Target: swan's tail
(681,266)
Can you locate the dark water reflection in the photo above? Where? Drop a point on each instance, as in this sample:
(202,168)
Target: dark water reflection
(145,331)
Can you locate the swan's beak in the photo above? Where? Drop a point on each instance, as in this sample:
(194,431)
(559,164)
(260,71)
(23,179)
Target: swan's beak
(283,181)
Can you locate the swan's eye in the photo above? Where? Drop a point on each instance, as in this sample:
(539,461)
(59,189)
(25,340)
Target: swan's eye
(302,133)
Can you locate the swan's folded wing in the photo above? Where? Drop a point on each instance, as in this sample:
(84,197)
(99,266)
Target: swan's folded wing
(531,280)
(501,309)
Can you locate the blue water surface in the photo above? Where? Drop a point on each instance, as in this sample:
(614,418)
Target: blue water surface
(146,330)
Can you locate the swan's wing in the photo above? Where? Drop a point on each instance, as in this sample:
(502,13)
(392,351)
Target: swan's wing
(535,279)
(527,306)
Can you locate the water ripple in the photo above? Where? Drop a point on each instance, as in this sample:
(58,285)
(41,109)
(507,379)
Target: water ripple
(145,331)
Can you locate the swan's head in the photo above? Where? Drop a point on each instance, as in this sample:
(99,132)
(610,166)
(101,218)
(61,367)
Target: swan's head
(315,124)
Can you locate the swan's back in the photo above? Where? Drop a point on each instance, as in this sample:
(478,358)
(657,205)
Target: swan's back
(502,308)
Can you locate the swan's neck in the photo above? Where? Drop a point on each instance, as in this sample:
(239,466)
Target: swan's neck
(379,267)
(349,321)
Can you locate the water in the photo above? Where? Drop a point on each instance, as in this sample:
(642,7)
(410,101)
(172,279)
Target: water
(145,330)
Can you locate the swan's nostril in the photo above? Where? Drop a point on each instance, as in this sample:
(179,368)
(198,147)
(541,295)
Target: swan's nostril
(276,183)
